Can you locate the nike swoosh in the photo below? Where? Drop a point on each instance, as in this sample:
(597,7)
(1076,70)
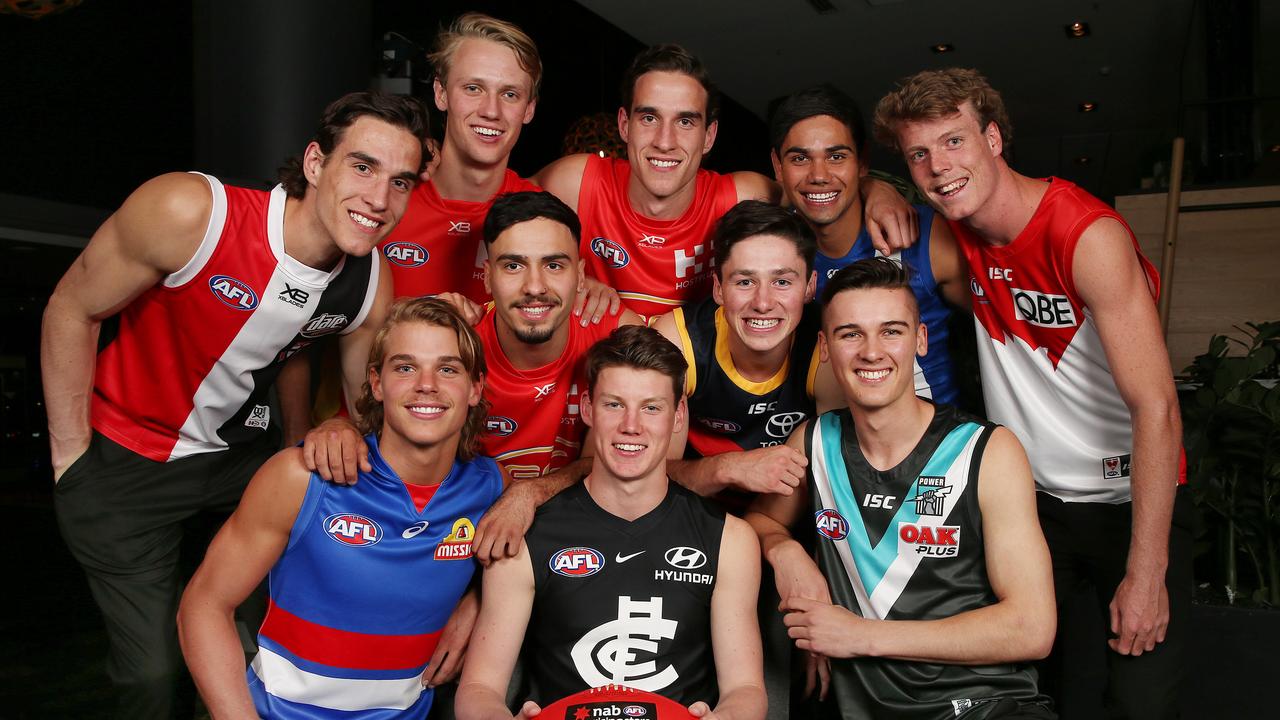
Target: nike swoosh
(623,558)
(413,530)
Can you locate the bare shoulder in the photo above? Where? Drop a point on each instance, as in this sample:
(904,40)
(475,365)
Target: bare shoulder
(563,177)
(754,186)
(738,536)
(666,326)
(164,220)
(276,491)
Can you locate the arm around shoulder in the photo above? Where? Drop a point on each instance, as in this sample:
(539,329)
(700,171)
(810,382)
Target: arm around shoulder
(563,178)
(754,186)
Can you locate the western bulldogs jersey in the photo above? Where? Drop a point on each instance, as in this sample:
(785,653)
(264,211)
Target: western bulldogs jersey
(906,544)
(362,591)
(438,246)
(1044,372)
(195,355)
(533,426)
(934,377)
(654,265)
(729,412)
(625,602)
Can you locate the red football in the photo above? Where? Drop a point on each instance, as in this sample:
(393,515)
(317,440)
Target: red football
(615,701)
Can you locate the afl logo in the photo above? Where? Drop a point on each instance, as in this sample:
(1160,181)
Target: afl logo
(500,426)
(728,427)
(611,252)
(351,529)
(405,254)
(831,524)
(634,711)
(233,293)
(576,562)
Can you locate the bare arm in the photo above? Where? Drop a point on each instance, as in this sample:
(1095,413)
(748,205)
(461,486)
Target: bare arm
(293,387)
(735,634)
(950,270)
(501,530)
(891,222)
(1018,626)
(353,347)
(563,178)
(1110,281)
(504,615)
(237,560)
(754,186)
(154,233)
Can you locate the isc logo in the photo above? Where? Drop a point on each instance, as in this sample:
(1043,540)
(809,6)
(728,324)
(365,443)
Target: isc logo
(931,540)
(1044,310)
(405,254)
(610,252)
(576,562)
(500,426)
(233,293)
(351,529)
(831,524)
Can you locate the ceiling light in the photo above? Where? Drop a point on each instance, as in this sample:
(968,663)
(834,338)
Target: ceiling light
(1076,30)
(1088,106)
(942,48)
(1275,148)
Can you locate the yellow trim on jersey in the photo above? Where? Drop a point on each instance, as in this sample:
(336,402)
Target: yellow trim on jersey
(648,298)
(522,452)
(686,347)
(725,358)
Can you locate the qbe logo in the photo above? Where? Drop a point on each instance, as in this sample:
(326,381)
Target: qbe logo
(930,540)
(576,562)
(406,254)
(831,524)
(500,426)
(352,529)
(1043,309)
(610,252)
(233,293)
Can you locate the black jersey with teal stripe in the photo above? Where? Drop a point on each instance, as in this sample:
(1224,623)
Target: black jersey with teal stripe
(907,544)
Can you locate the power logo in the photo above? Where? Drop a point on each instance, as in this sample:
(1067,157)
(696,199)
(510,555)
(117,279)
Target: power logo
(457,544)
(406,254)
(930,540)
(352,529)
(831,524)
(233,293)
(576,562)
(610,252)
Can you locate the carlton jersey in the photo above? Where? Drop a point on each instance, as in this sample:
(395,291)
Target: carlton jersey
(1044,372)
(438,246)
(195,355)
(654,265)
(728,412)
(935,379)
(534,425)
(362,591)
(907,544)
(625,602)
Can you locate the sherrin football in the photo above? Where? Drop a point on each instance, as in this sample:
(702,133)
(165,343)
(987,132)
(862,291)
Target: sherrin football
(615,701)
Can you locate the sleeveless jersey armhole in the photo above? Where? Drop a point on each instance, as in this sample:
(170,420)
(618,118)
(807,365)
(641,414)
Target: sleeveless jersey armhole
(370,293)
(316,487)
(209,243)
(924,261)
(975,473)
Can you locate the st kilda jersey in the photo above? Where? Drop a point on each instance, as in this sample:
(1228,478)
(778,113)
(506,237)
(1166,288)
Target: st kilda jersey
(534,425)
(362,591)
(624,602)
(438,246)
(654,265)
(1044,372)
(907,544)
(728,412)
(195,355)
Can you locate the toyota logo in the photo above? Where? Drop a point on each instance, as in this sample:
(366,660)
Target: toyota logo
(686,558)
(781,424)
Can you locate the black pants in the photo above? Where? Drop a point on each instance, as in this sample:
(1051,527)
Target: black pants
(121,515)
(1089,544)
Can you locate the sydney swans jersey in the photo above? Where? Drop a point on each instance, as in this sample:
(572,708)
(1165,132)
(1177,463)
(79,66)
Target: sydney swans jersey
(907,544)
(362,591)
(654,265)
(728,412)
(1044,372)
(935,379)
(195,355)
(438,246)
(625,602)
(534,425)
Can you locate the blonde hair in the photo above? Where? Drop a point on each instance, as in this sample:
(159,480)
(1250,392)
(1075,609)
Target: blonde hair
(934,94)
(479,26)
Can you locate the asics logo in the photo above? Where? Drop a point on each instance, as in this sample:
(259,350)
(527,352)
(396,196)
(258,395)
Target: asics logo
(414,529)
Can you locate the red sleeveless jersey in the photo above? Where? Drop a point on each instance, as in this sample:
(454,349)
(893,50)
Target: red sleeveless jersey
(189,371)
(534,426)
(438,247)
(654,265)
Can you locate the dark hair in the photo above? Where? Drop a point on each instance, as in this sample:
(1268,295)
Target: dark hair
(818,100)
(874,273)
(750,218)
(402,111)
(934,94)
(669,58)
(439,313)
(639,347)
(517,207)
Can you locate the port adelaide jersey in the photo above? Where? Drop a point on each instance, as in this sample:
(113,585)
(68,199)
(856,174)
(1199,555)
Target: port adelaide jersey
(189,371)
(624,602)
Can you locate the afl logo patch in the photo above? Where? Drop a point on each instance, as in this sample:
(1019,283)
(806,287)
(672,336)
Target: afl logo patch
(610,252)
(576,562)
(635,711)
(351,529)
(405,254)
(233,293)
(831,524)
(500,426)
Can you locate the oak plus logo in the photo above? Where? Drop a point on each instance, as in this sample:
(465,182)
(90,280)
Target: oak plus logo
(608,653)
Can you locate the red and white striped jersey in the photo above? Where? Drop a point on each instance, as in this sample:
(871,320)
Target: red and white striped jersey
(189,371)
